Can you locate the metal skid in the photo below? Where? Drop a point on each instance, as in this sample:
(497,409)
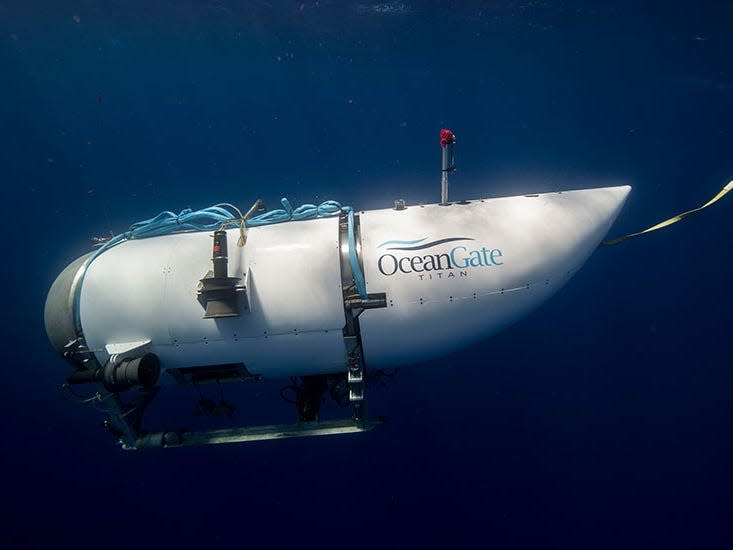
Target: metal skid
(125,422)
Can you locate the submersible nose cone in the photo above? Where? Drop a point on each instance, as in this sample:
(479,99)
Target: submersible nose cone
(59,310)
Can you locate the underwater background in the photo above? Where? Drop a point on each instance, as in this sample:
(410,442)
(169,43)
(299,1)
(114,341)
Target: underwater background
(603,419)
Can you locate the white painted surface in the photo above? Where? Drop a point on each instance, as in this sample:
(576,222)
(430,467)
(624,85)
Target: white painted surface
(146,289)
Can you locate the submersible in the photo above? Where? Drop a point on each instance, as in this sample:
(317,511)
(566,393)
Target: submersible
(323,294)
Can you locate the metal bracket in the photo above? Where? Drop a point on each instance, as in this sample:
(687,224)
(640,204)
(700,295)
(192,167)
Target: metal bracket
(125,347)
(355,378)
(79,355)
(354,305)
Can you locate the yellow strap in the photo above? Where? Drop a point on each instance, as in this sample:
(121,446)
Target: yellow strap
(672,220)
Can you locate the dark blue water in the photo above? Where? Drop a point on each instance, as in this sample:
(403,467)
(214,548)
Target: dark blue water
(601,420)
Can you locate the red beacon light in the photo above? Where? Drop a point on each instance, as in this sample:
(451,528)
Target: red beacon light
(447,137)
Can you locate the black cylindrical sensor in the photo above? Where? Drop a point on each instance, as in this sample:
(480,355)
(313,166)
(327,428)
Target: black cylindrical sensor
(122,375)
(128,373)
(219,257)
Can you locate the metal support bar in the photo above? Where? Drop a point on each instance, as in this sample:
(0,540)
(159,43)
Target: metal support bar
(119,423)
(444,178)
(354,305)
(255,433)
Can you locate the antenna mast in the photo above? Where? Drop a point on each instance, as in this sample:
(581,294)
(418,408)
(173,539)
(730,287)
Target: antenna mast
(447,144)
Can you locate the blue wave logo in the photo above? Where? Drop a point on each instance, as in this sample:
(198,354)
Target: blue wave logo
(416,244)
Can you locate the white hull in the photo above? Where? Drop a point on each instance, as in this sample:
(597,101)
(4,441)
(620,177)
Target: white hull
(505,256)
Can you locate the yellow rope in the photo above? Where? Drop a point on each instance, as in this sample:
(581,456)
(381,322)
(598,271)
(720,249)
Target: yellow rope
(673,219)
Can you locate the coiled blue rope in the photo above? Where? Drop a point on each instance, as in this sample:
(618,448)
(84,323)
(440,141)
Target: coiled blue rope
(304,212)
(165,223)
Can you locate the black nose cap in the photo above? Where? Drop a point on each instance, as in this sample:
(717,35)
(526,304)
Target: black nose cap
(148,370)
(128,373)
